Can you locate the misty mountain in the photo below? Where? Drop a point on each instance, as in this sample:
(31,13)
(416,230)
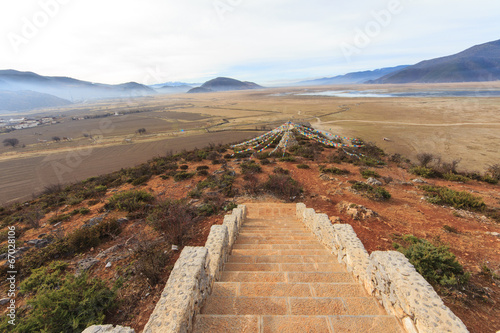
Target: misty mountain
(476,64)
(28,100)
(173,84)
(354,77)
(68,88)
(224,84)
(173,89)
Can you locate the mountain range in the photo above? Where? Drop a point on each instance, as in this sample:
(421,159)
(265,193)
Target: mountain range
(26,90)
(21,91)
(354,77)
(476,64)
(224,84)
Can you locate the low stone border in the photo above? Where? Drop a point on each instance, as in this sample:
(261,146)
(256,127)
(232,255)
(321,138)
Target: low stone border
(190,281)
(387,275)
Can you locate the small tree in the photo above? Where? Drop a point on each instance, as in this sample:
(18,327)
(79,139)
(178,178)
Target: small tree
(425,159)
(10,142)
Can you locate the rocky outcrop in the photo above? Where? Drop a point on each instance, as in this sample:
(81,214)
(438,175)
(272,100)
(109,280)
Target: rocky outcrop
(356,212)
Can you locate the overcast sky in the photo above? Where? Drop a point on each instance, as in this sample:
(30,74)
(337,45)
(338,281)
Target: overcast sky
(266,41)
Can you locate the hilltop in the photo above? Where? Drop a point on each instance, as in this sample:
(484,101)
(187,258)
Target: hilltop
(224,84)
(476,64)
(119,227)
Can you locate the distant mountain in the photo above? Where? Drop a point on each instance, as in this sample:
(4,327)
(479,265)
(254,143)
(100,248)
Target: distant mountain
(68,88)
(224,84)
(476,64)
(353,78)
(173,89)
(197,90)
(28,100)
(173,84)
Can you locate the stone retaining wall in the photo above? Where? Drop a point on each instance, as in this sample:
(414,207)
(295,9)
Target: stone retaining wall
(387,275)
(190,281)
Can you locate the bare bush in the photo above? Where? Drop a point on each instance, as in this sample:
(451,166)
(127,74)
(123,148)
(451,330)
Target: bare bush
(494,171)
(252,185)
(425,158)
(10,142)
(173,218)
(151,260)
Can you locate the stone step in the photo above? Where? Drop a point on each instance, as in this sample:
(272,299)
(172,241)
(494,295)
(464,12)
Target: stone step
(289,277)
(281,259)
(238,245)
(277,232)
(243,237)
(275,252)
(275,227)
(284,267)
(281,289)
(302,306)
(243,233)
(247,240)
(295,324)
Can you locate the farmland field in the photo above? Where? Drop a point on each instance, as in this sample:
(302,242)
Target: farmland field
(455,128)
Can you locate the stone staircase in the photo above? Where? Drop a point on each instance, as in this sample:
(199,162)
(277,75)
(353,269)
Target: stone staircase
(279,278)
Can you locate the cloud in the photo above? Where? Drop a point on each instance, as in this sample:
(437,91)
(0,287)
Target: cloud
(117,41)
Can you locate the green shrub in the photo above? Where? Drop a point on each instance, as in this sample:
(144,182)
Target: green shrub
(334,171)
(460,200)
(261,155)
(370,162)
(265,161)
(302,166)
(361,187)
(449,229)
(130,201)
(283,186)
(250,167)
(183,175)
(62,302)
(423,171)
(101,188)
(73,200)
(287,159)
(195,193)
(202,173)
(309,151)
(455,177)
(202,167)
(230,206)
(59,218)
(379,194)
(84,211)
(141,180)
(376,193)
(489,179)
(184,167)
(281,171)
(369,173)
(436,264)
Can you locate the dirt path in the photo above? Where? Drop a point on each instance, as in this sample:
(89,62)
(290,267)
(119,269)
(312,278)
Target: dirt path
(402,123)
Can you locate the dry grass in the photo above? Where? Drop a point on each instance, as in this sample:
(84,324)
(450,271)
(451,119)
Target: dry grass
(453,128)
